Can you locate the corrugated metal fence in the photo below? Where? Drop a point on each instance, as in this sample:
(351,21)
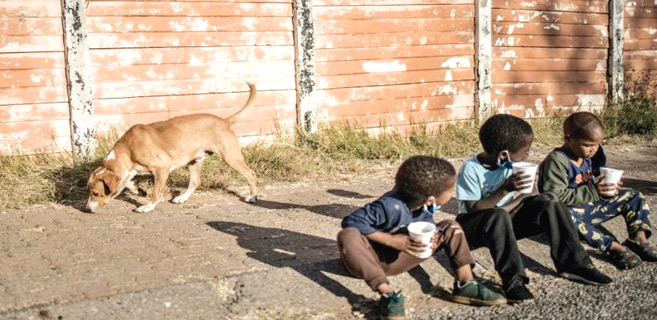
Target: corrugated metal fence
(377,63)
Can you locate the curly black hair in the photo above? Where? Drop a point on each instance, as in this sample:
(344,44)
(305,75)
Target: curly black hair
(505,132)
(580,125)
(420,177)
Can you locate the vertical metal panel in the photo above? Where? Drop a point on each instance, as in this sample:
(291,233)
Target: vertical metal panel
(33,99)
(640,44)
(153,60)
(390,64)
(549,55)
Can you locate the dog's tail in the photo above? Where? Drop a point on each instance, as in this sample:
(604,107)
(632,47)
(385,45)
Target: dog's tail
(232,118)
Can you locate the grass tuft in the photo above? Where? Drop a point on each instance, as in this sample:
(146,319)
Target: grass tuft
(334,151)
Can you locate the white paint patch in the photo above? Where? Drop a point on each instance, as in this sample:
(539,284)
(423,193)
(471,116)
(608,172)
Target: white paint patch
(110,156)
(507,66)
(551,26)
(195,61)
(601,66)
(549,98)
(500,92)
(456,62)
(400,116)
(499,18)
(452,13)
(538,104)
(199,25)
(35,78)
(447,89)
(130,57)
(591,100)
(374,67)
(604,31)
(448,76)
(424,104)
(652,31)
(514,26)
(508,54)
(461,101)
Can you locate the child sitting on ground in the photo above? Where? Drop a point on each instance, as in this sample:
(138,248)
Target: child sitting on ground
(493,215)
(374,243)
(572,172)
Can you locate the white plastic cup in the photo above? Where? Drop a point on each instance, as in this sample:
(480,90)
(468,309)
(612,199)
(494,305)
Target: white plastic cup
(611,176)
(526,168)
(422,231)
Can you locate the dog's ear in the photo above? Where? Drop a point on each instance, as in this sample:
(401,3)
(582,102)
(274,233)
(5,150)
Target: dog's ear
(110,183)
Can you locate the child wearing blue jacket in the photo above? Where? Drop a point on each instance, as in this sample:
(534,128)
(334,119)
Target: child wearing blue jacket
(375,244)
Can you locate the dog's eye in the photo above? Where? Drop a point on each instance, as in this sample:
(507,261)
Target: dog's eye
(106,189)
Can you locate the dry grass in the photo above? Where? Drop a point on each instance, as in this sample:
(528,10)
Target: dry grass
(335,150)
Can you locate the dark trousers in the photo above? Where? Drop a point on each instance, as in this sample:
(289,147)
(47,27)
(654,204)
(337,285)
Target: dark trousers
(374,262)
(498,231)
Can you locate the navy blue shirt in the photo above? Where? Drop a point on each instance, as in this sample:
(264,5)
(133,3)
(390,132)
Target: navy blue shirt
(589,169)
(387,214)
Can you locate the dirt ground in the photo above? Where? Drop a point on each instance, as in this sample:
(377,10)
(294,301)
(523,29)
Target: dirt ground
(217,257)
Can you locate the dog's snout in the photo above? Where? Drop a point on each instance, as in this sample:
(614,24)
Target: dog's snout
(92,206)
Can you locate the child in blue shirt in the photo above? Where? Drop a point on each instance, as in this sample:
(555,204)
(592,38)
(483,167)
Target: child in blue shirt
(494,215)
(572,172)
(374,242)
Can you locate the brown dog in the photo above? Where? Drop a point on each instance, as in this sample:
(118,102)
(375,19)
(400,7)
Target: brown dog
(160,148)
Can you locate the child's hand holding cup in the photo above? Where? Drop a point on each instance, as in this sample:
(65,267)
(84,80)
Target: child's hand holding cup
(608,186)
(526,168)
(422,231)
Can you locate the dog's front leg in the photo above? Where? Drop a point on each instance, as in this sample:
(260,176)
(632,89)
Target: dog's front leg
(160,176)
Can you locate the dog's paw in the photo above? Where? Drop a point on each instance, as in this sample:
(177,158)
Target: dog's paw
(251,199)
(180,199)
(146,208)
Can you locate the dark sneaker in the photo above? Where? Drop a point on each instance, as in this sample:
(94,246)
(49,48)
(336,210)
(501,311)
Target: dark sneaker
(391,306)
(476,293)
(587,274)
(518,294)
(646,252)
(625,260)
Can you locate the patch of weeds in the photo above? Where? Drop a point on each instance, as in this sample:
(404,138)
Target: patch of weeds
(633,115)
(636,113)
(335,150)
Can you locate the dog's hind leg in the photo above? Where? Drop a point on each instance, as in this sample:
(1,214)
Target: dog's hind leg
(235,159)
(194,182)
(160,176)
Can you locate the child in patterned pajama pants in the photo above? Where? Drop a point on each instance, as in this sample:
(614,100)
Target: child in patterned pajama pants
(628,203)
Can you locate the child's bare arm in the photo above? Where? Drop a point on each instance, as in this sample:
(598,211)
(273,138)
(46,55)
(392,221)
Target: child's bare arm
(513,183)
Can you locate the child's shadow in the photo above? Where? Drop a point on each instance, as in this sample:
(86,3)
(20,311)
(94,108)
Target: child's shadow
(282,248)
(334,210)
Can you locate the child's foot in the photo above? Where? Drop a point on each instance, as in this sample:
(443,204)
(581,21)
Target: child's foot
(646,252)
(518,294)
(391,306)
(625,260)
(477,293)
(587,274)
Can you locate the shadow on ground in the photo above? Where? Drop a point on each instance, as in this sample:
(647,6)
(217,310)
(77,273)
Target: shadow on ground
(645,186)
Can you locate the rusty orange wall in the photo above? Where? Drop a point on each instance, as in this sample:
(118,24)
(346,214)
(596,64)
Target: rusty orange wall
(394,61)
(549,54)
(33,99)
(640,42)
(153,60)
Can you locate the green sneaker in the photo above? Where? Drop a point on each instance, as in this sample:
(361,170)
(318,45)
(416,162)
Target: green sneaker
(391,306)
(476,293)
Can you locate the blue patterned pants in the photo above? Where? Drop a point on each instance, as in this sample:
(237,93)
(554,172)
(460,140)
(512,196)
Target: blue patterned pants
(628,203)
